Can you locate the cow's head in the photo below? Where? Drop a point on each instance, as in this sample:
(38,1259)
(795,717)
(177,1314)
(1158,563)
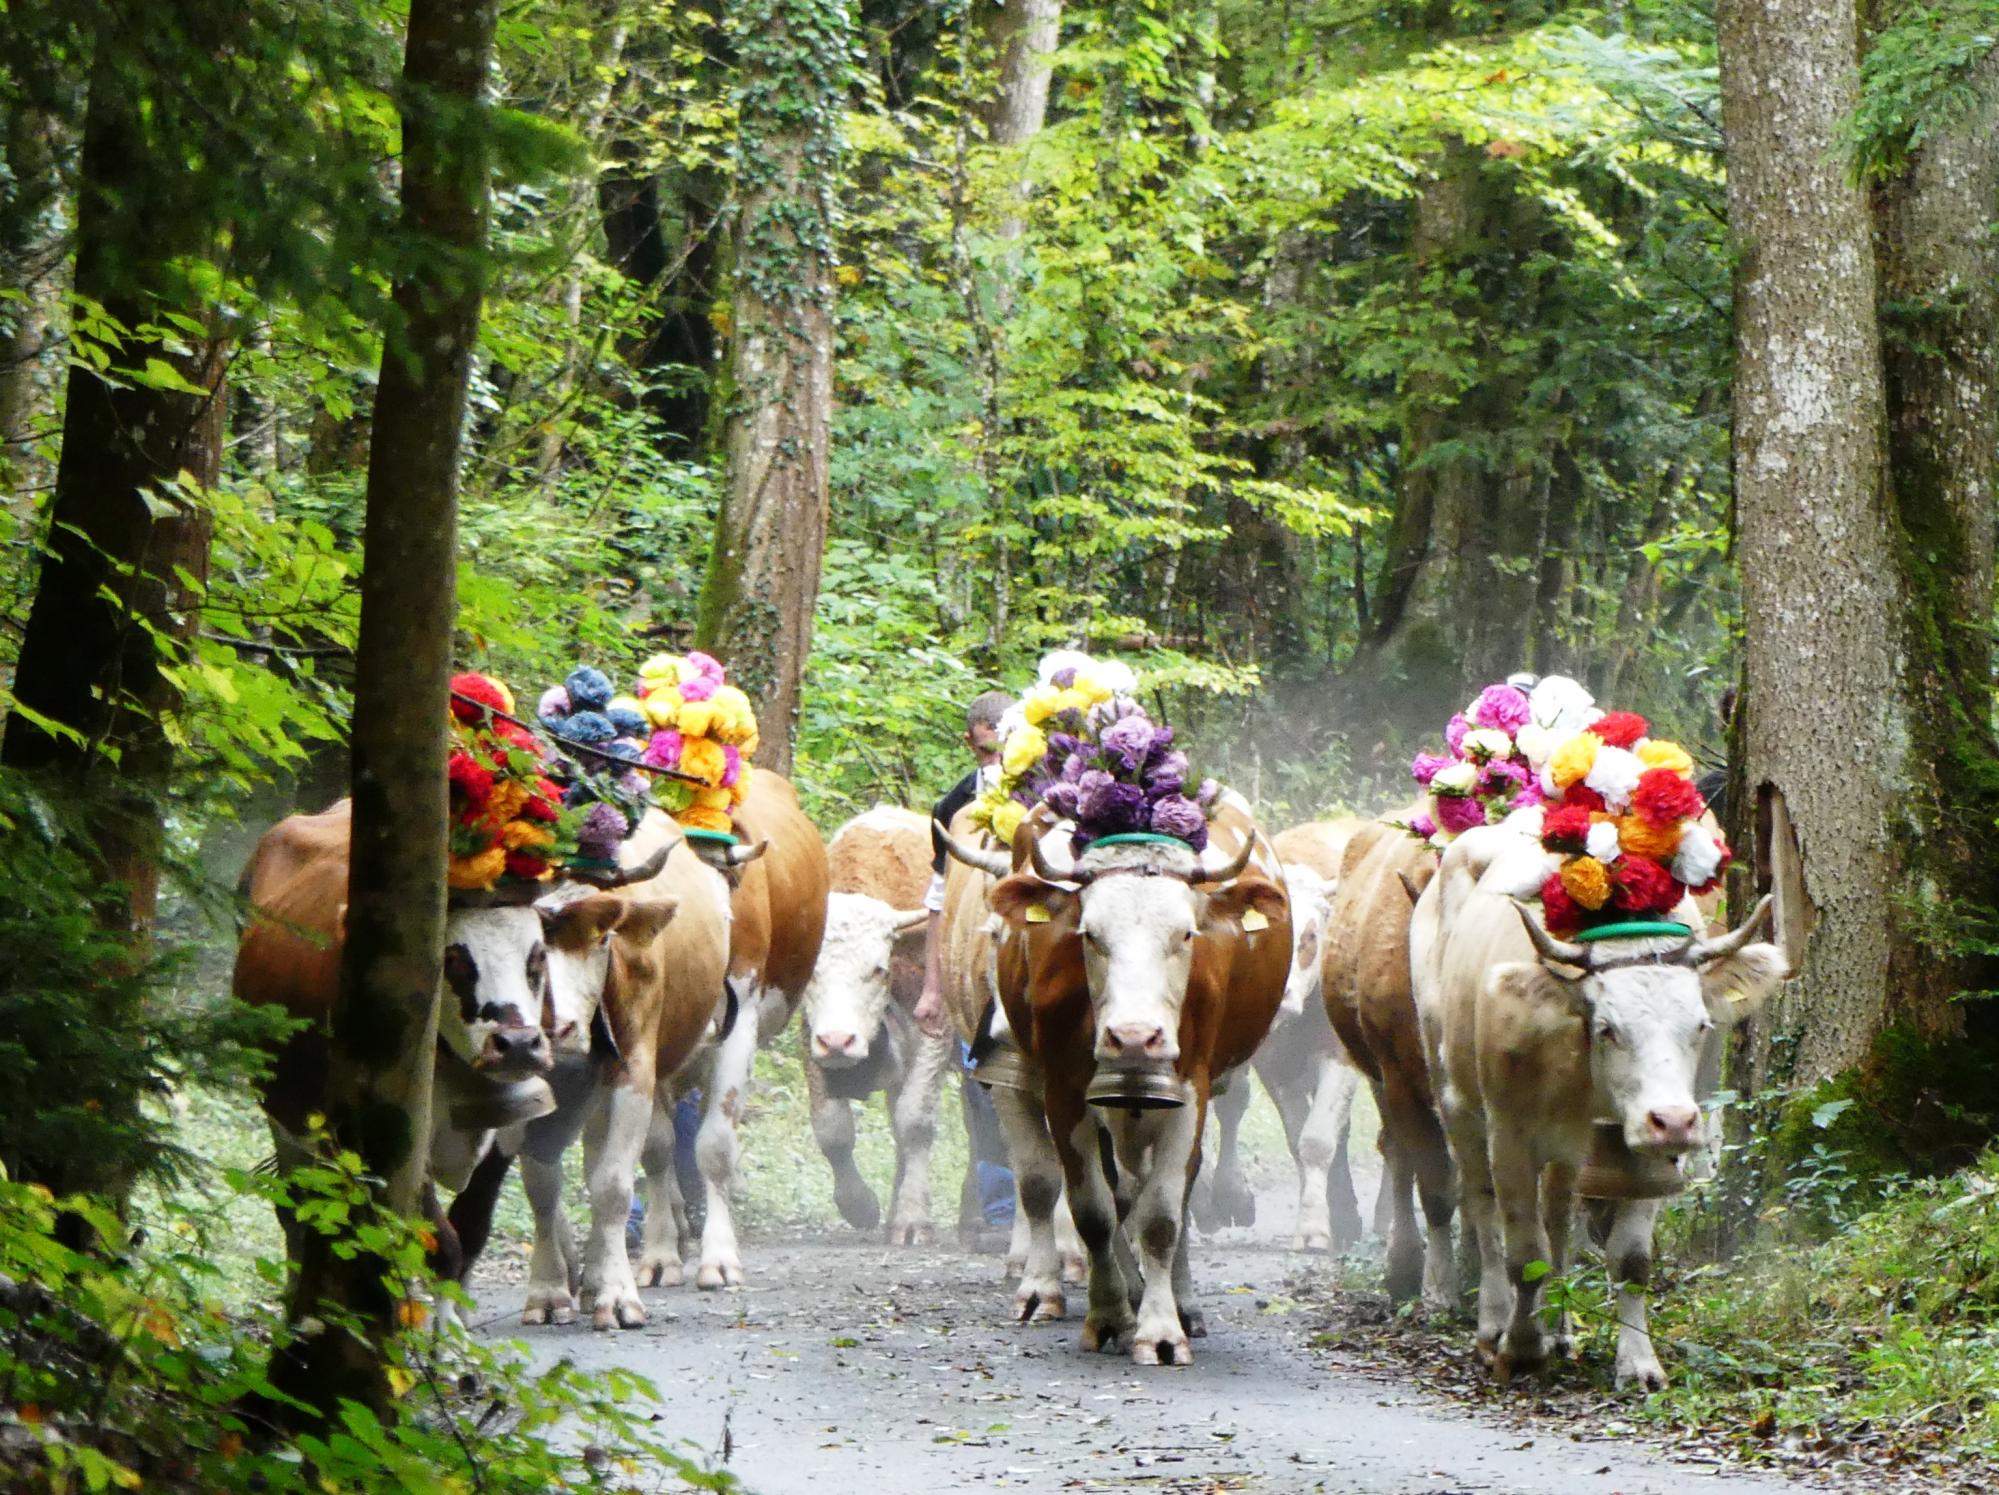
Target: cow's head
(1138,909)
(1311,901)
(578,929)
(495,991)
(847,999)
(1648,1006)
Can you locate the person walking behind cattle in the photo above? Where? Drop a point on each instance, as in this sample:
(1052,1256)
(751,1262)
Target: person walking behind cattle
(988,1163)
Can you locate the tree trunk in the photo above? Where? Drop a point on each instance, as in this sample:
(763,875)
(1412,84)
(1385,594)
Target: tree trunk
(29,259)
(127,547)
(1824,710)
(1941,358)
(384,1028)
(762,580)
(1023,34)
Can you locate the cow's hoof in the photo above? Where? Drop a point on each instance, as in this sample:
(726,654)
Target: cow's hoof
(1640,1375)
(1194,1323)
(1107,1332)
(1161,1344)
(714,1276)
(858,1205)
(1519,1356)
(1039,1305)
(911,1233)
(1312,1240)
(1487,1350)
(660,1271)
(549,1307)
(1075,1270)
(1562,1347)
(1404,1275)
(625,1313)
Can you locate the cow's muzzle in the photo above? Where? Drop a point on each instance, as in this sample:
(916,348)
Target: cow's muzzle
(834,1049)
(514,1053)
(1136,1045)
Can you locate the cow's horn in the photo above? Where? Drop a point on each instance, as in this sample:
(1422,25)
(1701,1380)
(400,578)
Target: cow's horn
(1204,873)
(742,856)
(1702,951)
(618,877)
(992,863)
(1559,951)
(1047,871)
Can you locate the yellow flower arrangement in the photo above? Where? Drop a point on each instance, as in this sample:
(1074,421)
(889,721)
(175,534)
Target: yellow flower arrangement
(1572,762)
(1661,754)
(1588,882)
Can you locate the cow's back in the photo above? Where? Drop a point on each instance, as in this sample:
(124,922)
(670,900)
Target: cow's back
(1318,844)
(966,967)
(296,882)
(667,992)
(883,854)
(779,907)
(1240,973)
(1367,987)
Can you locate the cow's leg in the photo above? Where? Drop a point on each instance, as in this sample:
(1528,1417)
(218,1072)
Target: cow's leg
(1629,1252)
(1404,1270)
(468,1225)
(612,1145)
(727,1100)
(833,1130)
(1110,1319)
(552,1281)
(1069,1242)
(1191,1317)
(1321,1142)
(1157,1224)
(666,1235)
(1558,1207)
(1516,1180)
(1466,1125)
(1437,1192)
(913,1116)
(1228,1197)
(1037,1177)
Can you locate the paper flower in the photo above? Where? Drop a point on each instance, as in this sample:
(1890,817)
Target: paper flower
(1642,886)
(1486,742)
(1619,729)
(1663,797)
(1659,754)
(1176,815)
(1502,707)
(1601,842)
(1426,766)
(1699,858)
(1614,774)
(1587,881)
(1458,813)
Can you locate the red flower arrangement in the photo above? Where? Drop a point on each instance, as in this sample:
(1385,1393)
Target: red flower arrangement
(1664,797)
(1620,729)
(1566,828)
(1640,885)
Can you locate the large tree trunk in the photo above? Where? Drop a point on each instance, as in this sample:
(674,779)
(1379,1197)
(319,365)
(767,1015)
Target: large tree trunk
(127,547)
(1941,357)
(31,233)
(762,580)
(1023,34)
(1821,607)
(383,1035)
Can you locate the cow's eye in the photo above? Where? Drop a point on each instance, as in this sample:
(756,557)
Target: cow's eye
(537,963)
(1607,1033)
(1707,1026)
(1187,937)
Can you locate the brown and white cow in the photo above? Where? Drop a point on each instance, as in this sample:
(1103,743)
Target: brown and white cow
(777,920)
(858,1033)
(1368,998)
(1535,1041)
(500,1023)
(1139,969)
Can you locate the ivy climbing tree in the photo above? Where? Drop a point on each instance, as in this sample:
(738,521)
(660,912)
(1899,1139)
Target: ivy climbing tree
(762,581)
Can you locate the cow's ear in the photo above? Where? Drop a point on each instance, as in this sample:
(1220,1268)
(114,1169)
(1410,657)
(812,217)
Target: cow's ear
(1537,992)
(1027,899)
(1251,902)
(577,926)
(1735,986)
(645,918)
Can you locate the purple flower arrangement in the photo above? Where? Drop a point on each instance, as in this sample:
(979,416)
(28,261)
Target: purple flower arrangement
(1120,775)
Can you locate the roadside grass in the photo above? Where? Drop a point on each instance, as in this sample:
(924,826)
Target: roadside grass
(1878,1344)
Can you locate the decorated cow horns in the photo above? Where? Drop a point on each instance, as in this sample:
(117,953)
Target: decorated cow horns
(1693,953)
(618,877)
(992,863)
(1083,877)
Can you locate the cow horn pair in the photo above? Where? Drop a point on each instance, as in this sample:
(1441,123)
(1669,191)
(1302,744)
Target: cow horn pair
(1048,872)
(1694,953)
(733,856)
(992,863)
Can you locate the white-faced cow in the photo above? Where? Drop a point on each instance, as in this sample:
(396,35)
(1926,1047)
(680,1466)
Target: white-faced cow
(1134,975)
(858,1033)
(1535,1041)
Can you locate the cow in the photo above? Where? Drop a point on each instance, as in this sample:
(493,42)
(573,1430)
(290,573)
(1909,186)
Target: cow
(1534,1041)
(777,920)
(499,1032)
(1134,975)
(857,1032)
(1304,1068)
(1045,1251)
(1373,1010)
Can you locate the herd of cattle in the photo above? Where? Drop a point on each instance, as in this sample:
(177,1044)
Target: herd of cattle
(1109,998)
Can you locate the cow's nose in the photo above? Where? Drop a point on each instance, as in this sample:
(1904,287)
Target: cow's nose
(1674,1124)
(1129,1040)
(832,1043)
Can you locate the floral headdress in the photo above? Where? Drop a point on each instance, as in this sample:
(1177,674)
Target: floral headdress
(506,814)
(701,725)
(1081,745)
(1619,807)
(583,711)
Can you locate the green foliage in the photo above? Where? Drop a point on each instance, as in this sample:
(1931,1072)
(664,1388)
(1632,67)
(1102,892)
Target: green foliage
(1917,81)
(123,1371)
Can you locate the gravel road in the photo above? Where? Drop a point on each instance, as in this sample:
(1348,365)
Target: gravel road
(846,1365)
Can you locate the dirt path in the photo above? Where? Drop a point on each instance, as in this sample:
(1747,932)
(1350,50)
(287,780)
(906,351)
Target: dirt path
(852,1367)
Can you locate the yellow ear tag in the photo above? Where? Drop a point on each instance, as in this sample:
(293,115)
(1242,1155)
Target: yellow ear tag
(1254,919)
(1036,914)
